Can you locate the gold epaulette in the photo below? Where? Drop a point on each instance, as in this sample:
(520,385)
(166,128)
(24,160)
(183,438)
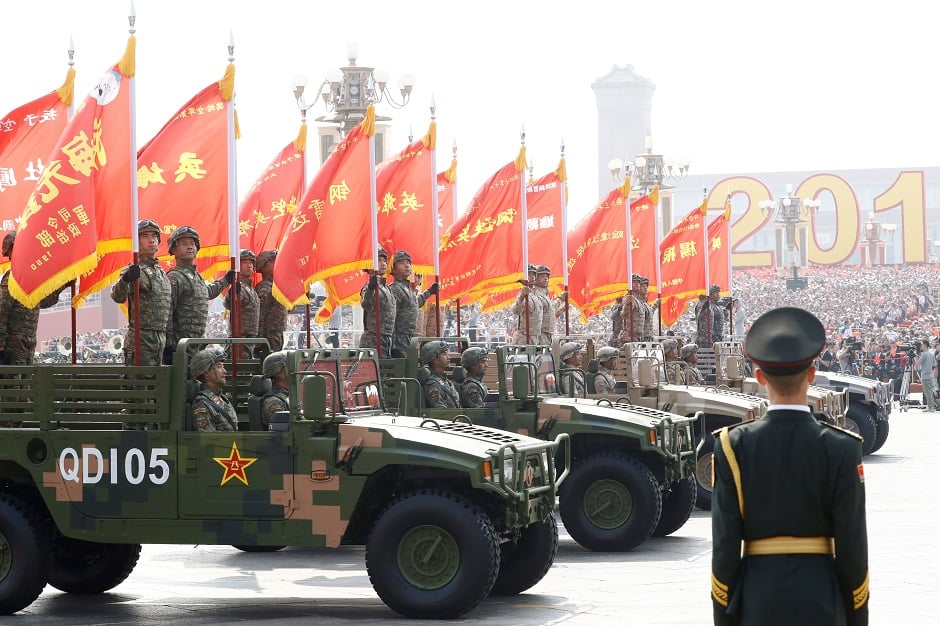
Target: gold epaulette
(717,431)
(842,430)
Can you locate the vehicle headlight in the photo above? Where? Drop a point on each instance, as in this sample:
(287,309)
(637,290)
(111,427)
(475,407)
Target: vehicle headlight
(544,456)
(509,464)
(667,436)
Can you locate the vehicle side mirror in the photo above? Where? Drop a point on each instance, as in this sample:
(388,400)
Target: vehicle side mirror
(314,395)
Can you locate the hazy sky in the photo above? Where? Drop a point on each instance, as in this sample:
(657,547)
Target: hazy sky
(741,86)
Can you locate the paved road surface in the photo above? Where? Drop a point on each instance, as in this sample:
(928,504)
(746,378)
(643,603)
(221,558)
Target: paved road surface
(665,581)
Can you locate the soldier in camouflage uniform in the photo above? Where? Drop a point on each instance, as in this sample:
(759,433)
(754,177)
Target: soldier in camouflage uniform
(272,321)
(604,381)
(189,293)
(406,304)
(249,307)
(275,368)
(690,375)
(549,312)
(212,411)
(709,319)
(616,324)
(387,308)
(635,314)
(528,315)
(472,389)
(671,361)
(572,377)
(154,298)
(17,323)
(439,392)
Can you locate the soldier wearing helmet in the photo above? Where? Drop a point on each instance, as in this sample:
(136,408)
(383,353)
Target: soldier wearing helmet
(245,324)
(376,288)
(212,410)
(407,303)
(18,324)
(604,381)
(689,374)
(275,368)
(528,311)
(189,293)
(472,389)
(572,377)
(439,392)
(154,288)
(272,316)
(671,361)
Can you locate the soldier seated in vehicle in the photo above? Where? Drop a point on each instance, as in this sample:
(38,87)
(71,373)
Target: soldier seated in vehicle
(689,375)
(473,390)
(604,381)
(670,360)
(439,392)
(275,368)
(212,411)
(572,377)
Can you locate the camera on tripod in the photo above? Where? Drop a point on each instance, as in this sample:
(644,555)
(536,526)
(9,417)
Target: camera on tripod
(909,349)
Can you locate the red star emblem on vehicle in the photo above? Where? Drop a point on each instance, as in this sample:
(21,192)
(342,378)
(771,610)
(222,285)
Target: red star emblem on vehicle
(234,466)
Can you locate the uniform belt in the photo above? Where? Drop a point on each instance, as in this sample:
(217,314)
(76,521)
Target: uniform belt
(789,545)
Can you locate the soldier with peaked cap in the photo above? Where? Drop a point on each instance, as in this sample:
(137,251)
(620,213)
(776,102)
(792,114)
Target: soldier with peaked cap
(376,288)
(250,306)
(272,315)
(528,313)
(154,298)
(212,410)
(789,543)
(604,381)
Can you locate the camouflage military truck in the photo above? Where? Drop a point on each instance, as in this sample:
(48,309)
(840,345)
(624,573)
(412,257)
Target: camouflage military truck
(869,406)
(448,511)
(730,371)
(642,382)
(631,467)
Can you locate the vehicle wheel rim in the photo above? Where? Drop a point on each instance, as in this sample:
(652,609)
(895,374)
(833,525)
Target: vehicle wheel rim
(6,557)
(851,426)
(703,470)
(608,504)
(428,557)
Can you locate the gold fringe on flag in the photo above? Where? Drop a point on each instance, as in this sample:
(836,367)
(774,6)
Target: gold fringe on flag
(625,187)
(300,143)
(562,171)
(227,84)
(368,124)
(430,139)
(67,91)
(520,162)
(128,63)
(451,173)
(654,195)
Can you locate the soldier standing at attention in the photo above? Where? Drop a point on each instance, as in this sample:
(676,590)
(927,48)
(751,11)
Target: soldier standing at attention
(275,368)
(472,389)
(387,308)
(407,304)
(212,411)
(604,381)
(154,298)
(248,300)
(439,392)
(709,319)
(791,492)
(272,320)
(528,315)
(635,313)
(542,276)
(189,293)
(17,323)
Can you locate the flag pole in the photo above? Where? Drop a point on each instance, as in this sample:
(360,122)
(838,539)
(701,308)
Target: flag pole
(435,227)
(135,208)
(564,237)
(728,246)
(657,230)
(374,214)
(233,242)
(525,238)
(708,278)
(72,284)
(625,193)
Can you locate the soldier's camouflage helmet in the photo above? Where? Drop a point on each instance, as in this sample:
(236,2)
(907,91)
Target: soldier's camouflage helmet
(264,258)
(431,350)
(8,243)
(274,363)
(607,353)
(688,349)
(148,226)
(531,269)
(669,345)
(568,350)
(542,269)
(248,254)
(383,253)
(472,356)
(402,255)
(202,361)
(179,233)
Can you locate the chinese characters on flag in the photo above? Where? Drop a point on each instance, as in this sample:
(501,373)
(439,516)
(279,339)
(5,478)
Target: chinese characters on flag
(682,264)
(719,256)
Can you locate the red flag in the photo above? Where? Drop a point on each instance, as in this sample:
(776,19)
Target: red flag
(643,234)
(27,135)
(483,249)
(719,260)
(267,210)
(182,179)
(331,231)
(682,264)
(544,228)
(87,175)
(446,182)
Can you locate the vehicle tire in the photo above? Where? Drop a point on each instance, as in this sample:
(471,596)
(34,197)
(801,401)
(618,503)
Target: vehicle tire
(259,548)
(705,459)
(525,562)
(677,506)
(89,567)
(864,426)
(25,555)
(610,503)
(432,554)
(881,435)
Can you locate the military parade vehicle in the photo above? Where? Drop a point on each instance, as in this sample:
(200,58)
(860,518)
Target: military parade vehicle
(642,382)
(98,459)
(631,467)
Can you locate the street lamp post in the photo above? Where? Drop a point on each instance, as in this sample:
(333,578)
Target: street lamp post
(649,170)
(789,212)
